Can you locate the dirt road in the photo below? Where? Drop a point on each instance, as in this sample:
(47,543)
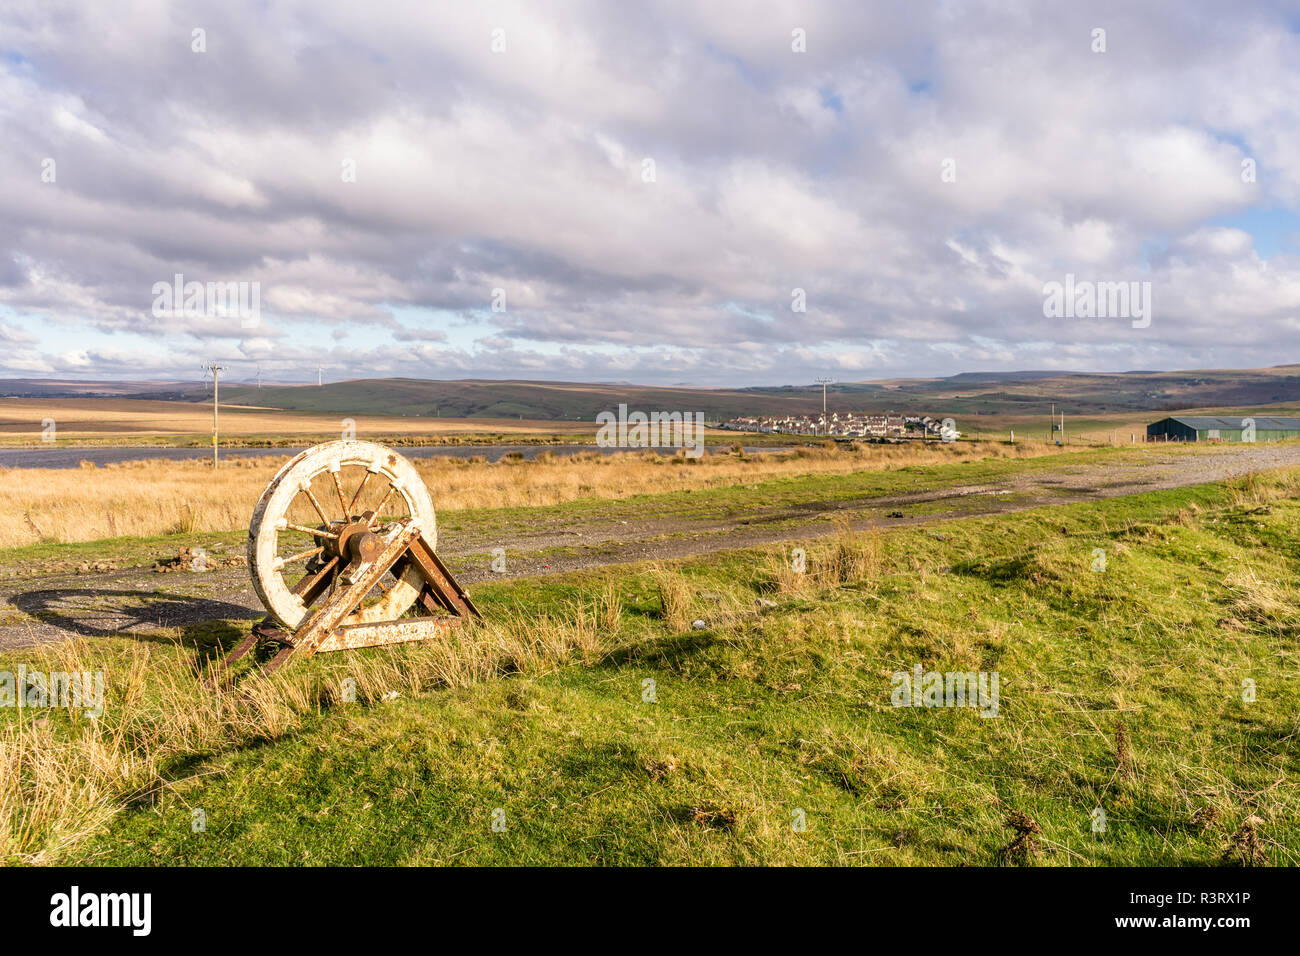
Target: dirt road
(42,607)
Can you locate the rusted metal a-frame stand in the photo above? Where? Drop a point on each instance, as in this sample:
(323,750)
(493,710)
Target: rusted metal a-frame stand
(340,622)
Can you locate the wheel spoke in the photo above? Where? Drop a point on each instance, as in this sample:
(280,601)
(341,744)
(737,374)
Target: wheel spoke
(299,557)
(306,489)
(314,532)
(360,488)
(380,507)
(338,486)
(313,579)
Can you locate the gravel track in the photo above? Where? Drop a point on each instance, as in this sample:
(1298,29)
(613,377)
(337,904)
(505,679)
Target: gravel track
(42,607)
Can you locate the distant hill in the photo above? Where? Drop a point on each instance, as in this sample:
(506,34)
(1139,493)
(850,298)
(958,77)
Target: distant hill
(1106,392)
(962,378)
(72,388)
(553,401)
(969,393)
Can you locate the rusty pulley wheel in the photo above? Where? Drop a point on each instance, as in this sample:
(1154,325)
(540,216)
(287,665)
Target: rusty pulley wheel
(329,508)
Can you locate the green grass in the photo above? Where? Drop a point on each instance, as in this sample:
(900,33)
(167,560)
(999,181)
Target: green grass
(773,710)
(121,551)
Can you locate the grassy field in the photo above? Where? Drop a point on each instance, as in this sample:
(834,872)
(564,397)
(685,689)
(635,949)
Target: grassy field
(589,721)
(131,421)
(151,498)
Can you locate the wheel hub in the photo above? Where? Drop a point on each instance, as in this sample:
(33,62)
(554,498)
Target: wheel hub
(347,531)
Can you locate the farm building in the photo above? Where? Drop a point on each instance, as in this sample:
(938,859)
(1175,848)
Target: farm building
(1208,428)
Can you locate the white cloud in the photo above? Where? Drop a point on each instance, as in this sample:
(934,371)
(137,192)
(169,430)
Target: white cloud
(775,170)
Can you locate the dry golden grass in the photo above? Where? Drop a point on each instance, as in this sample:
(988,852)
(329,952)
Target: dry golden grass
(100,418)
(147,498)
(852,558)
(1263,598)
(1255,489)
(676,599)
(608,612)
(785,576)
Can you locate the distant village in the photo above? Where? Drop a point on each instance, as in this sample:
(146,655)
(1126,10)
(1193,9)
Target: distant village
(846,425)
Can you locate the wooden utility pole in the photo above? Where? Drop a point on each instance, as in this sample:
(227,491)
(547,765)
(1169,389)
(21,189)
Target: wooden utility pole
(216,371)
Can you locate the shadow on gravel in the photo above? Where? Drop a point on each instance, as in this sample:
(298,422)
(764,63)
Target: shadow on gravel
(90,612)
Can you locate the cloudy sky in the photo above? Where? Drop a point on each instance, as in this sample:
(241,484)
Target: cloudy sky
(645,192)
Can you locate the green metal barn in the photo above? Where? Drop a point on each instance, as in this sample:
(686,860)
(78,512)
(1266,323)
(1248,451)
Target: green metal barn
(1208,428)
